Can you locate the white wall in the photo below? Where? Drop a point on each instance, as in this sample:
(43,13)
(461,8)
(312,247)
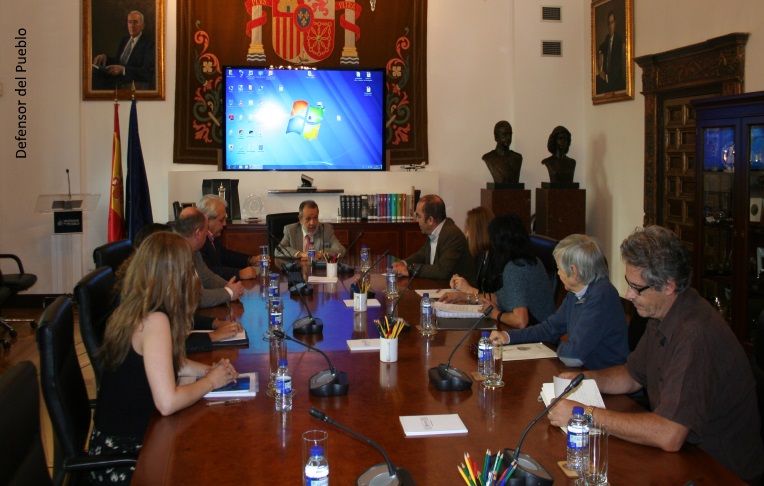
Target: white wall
(483,66)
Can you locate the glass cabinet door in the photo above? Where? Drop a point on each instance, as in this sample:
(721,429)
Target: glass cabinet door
(717,228)
(755,276)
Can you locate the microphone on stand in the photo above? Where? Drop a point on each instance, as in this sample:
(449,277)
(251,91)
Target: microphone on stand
(307,324)
(406,325)
(293,267)
(526,466)
(446,378)
(344,268)
(325,383)
(382,474)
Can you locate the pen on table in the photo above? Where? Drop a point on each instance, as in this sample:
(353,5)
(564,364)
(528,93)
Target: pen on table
(225,402)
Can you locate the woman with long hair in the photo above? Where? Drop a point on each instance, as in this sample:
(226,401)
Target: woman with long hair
(143,351)
(479,243)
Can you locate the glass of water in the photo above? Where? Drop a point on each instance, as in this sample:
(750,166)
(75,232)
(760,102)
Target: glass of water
(496,375)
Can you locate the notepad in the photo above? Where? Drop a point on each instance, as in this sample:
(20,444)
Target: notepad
(587,393)
(369,303)
(363,344)
(457,310)
(428,425)
(319,280)
(518,352)
(239,339)
(434,293)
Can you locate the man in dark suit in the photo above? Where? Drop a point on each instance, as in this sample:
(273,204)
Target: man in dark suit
(611,75)
(309,229)
(135,59)
(445,252)
(224,262)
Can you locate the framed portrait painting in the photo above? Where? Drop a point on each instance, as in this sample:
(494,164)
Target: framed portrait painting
(122,47)
(612,51)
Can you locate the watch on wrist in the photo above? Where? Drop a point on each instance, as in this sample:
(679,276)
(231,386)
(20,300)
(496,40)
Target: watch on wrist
(588,414)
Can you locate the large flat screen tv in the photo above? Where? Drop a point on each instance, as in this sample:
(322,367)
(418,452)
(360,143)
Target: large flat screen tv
(303,119)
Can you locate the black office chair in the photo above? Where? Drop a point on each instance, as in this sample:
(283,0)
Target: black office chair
(14,283)
(22,457)
(66,397)
(757,363)
(176,209)
(275,223)
(543,246)
(96,299)
(112,254)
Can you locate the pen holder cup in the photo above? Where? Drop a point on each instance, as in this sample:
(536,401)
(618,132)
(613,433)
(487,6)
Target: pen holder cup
(314,438)
(331,269)
(388,350)
(359,302)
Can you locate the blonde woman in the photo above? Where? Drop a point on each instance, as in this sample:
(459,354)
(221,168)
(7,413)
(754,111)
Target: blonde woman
(143,351)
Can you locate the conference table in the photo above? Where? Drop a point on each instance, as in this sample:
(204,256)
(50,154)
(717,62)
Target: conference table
(251,443)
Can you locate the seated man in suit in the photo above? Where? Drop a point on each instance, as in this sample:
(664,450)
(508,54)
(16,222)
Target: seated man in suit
(298,236)
(192,225)
(446,251)
(134,61)
(224,262)
(695,371)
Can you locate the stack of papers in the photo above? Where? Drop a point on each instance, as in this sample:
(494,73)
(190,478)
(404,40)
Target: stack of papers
(239,339)
(318,280)
(457,310)
(587,393)
(434,293)
(426,425)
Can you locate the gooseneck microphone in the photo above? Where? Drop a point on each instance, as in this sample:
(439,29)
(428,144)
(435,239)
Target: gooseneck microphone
(351,245)
(383,474)
(325,383)
(374,265)
(445,378)
(400,296)
(307,324)
(525,465)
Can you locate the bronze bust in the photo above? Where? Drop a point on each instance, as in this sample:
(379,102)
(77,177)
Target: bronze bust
(561,167)
(503,164)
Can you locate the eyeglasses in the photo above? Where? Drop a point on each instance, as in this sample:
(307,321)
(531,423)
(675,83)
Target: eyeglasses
(637,289)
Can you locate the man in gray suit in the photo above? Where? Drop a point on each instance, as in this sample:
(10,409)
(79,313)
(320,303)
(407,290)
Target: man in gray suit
(298,236)
(192,225)
(445,252)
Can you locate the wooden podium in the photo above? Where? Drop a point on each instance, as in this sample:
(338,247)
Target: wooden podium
(506,201)
(560,212)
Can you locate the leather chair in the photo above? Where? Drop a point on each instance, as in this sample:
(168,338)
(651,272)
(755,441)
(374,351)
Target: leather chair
(543,246)
(275,223)
(66,397)
(112,254)
(22,456)
(96,299)
(13,283)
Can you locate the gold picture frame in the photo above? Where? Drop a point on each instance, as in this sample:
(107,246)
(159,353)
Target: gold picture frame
(612,51)
(105,34)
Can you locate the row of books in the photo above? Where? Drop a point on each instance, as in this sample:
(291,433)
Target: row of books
(376,207)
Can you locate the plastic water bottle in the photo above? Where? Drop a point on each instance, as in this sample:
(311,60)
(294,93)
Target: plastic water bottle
(276,314)
(317,468)
(364,258)
(283,387)
(311,252)
(278,351)
(391,289)
(425,316)
(264,261)
(485,351)
(273,286)
(578,439)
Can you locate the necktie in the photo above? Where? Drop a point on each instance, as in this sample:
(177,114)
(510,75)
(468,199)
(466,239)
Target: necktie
(307,243)
(126,53)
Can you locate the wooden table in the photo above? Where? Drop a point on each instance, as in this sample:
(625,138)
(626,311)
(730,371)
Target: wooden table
(251,443)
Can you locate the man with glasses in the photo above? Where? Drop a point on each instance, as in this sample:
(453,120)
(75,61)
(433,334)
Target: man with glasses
(695,371)
(445,252)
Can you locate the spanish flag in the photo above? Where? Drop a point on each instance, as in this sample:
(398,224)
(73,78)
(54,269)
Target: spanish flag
(117,198)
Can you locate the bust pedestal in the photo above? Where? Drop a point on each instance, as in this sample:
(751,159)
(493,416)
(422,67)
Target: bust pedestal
(560,212)
(506,201)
